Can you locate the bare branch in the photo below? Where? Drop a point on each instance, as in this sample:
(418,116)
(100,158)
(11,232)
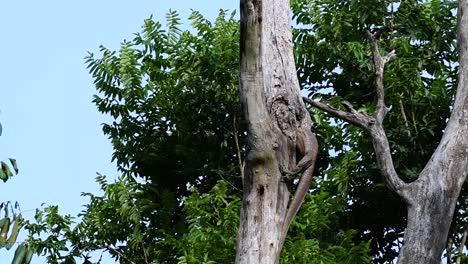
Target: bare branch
(354,117)
(403,114)
(379,138)
(144,252)
(389,56)
(120,254)
(377,33)
(448,251)
(373,123)
(414,122)
(385,162)
(239,158)
(379,64)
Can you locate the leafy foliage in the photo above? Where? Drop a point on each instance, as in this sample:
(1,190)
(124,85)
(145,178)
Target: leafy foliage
(50,233)
(213,220)
(318,234)
(173,95)
(11,222)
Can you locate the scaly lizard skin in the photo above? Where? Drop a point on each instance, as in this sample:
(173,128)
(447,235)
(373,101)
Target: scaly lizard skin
(307,148)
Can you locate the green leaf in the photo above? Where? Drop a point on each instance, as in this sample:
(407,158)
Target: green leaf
(15,166)
(29,255)
(6,169)
(20,254)
(3,176)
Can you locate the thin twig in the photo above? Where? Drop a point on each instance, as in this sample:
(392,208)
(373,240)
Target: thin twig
(144,252)
(414,122)
(462,243)
(402,109)
(448,250)
(392,25)
(239,158)
(232,185)
(120,254)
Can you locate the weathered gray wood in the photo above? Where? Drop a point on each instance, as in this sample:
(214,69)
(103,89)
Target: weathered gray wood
(435,192)
(431,199)
(274,110)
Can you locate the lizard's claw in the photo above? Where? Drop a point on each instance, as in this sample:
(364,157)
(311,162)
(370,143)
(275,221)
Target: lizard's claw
(289,175)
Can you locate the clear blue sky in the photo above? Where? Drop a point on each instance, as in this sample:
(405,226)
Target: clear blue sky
(50,125)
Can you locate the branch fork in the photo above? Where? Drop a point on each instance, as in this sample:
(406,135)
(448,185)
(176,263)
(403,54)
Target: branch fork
(373,123)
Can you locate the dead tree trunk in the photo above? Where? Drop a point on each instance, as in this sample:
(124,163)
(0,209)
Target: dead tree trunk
(280,143)
(431,199)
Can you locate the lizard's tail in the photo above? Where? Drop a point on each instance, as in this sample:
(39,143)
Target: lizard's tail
(298,199)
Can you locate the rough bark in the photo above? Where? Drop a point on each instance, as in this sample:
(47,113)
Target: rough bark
(435,192)
(275,113)
(431,199)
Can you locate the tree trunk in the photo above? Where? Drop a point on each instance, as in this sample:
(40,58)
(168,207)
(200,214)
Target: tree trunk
(274,111)
(427,227)
(434,194)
